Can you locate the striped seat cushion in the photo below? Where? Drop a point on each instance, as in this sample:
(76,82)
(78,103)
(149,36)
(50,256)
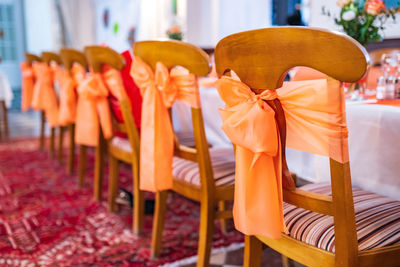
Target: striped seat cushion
(377,220)
(122,143)
(223,162)
(185,138)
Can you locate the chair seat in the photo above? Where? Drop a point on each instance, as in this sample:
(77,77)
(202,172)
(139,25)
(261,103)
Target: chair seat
(121,143)
(223,162)
(377,220)
(185,138)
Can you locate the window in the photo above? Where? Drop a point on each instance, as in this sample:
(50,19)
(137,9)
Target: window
(8,44)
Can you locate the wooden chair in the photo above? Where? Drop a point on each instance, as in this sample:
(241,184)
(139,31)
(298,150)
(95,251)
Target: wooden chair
(4,121)
(118,148)
(96,57)
(49,57)
(261,58)
(69,57)
(208,189)
(30,58)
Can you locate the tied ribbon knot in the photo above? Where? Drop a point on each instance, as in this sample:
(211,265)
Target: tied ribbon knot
(44,96)
(28,82)
(315,121)
(160,89)
(68,82)
(93,108)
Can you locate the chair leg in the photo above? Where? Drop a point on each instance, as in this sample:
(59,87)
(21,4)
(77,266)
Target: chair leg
(286,262)
(222,207)
(207,215)
(99,169)
(52,141)
(252,251)
(71,149)
(60,144)
(42,136)
(138,202)
(158,223)
(5,120)
(82,164)
(112,183)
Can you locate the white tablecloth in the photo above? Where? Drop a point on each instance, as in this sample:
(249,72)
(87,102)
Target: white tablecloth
(374,144)
(5,90)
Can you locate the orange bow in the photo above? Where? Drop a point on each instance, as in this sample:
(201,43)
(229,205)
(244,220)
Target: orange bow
(315,124)
(93,108)
(28,82)
(44,95)
(68,97)
(159,91)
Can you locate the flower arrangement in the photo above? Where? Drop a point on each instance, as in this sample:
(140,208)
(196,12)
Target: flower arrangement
(175,33)
(363,19)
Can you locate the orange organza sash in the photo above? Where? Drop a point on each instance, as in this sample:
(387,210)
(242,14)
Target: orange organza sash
(314,112)
(93,109)
(69,82)
(44,96)
(159,91)
(28,82)
(68,97)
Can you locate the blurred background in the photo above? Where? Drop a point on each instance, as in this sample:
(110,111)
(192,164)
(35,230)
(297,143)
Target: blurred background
(48,25)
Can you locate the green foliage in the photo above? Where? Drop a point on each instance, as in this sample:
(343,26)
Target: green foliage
(363,26)
(175,36)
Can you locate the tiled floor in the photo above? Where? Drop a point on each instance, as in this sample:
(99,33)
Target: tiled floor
(27,125)
(23,124)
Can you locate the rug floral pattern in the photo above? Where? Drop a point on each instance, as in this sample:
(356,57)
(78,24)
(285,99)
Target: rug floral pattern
(46,219)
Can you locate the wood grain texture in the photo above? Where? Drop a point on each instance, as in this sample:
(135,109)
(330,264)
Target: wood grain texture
(70,56)
(173,53)
(97,56)
(30,58)
(261,58)
(176,53)
(49,57)
(4,122)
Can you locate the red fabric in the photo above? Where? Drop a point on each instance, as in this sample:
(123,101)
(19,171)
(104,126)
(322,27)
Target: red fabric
(133,93)
(46,219)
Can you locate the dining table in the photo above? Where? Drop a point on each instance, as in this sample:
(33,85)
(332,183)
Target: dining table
(374,142)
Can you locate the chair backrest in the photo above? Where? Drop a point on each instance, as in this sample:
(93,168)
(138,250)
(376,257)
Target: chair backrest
(175,53)
(97,56)
(261,59)
(376,55)
(70,56)
(49,57)
(30,58)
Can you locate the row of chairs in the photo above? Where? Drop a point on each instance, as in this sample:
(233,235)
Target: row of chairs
(261,59)
(203,190)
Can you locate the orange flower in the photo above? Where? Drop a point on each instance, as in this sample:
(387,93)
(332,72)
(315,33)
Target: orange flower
(373,7)
(175,29)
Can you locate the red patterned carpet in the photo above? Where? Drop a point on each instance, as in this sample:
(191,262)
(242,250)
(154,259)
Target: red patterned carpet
(47,220)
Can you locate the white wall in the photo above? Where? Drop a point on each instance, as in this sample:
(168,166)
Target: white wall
(208,21)
(41,27)
(125,13)
(317,19)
